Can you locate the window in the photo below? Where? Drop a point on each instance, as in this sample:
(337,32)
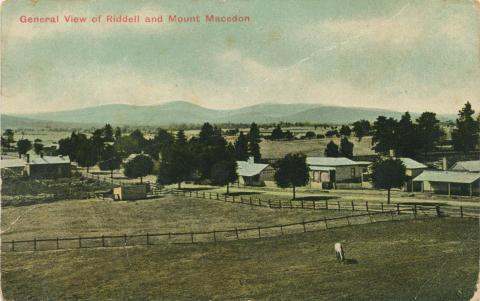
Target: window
(353,172)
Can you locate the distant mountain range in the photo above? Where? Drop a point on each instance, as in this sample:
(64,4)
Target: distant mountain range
(179,112)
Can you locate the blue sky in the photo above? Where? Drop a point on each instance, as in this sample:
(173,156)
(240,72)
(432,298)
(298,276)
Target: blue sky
(400,55)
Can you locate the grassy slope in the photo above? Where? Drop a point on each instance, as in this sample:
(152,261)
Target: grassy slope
(95,217)
(433,259)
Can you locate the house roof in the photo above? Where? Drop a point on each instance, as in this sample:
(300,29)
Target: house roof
(412,164)
(471,166)
(249,169)
(13,163)
(50,160)
(329,161)
(448,177)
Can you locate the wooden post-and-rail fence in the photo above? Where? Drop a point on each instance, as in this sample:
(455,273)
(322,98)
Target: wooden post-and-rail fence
(105,241)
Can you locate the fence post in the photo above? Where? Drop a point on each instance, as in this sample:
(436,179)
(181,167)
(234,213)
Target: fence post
(437,208)
(169,236)
(58,246)
(190,193)
(304,228)
(125,239)
(366,205)
(314,205)
(103,241)
(382,206)
(148,239)
(353,206)
(13,245)
(191,234)
(281,229)
(79,242)
(325,220)
(210,195)
(302,204)
(291,205)
(259,234)
(218,198)
(269,204)
(214,236)
(326,204)
(415,210)
(236,232)
(348,220)
(34,244)
(338,204)
(461,211)
(196,194)
(203,194)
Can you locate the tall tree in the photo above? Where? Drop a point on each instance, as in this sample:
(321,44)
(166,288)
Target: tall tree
(292,171)
(408,139)
(87,154)
(384,135)
(465,135)
(8,138)
(361,128)
(345,131)
(346,148)
(108,133)
(331,150)
(23,146)
(253,142)
(177,164)
(180,137)
(118,133)
(429,131)
(138,167)
(224,172)
(388,174)
(241,147)
(110,159)
(38,146)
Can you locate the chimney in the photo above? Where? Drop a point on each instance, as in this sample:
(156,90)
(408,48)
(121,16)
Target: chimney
(391,153)
(251,160)
(444,163)
(41,155)
(28,158)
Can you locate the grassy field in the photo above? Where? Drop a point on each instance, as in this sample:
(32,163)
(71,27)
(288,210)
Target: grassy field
(97,217)
(434,259)
(315,147)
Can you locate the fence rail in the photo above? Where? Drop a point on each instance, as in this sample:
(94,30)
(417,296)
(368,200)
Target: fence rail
(434,210)
(44,244)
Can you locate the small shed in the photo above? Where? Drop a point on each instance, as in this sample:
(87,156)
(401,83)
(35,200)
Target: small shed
(130,192)
(450,182)
(468,166)
(254,174)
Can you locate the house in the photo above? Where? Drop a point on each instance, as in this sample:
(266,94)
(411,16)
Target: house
(254,174)
(450,182)
(468,166)
(14,166)
(327,172)
(130,192)
(413,169)
(48,167)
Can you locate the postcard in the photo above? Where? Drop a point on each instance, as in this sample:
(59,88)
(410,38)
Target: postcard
(240,150)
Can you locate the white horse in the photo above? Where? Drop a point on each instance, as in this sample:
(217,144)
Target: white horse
(339,252)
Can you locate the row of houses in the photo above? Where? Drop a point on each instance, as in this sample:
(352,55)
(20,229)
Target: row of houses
(463,178)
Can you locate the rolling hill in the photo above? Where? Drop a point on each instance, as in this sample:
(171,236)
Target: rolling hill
(179,112)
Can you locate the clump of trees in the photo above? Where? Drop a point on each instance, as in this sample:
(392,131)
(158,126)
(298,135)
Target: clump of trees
(465,137)
(138,167)
(331,150)
(23,146)
(279,134)
(292,171)
(361,128)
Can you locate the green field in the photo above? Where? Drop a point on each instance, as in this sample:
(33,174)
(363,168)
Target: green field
(97,217)
(433,259)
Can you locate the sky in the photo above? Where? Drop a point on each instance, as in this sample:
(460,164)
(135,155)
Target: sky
(400,55)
